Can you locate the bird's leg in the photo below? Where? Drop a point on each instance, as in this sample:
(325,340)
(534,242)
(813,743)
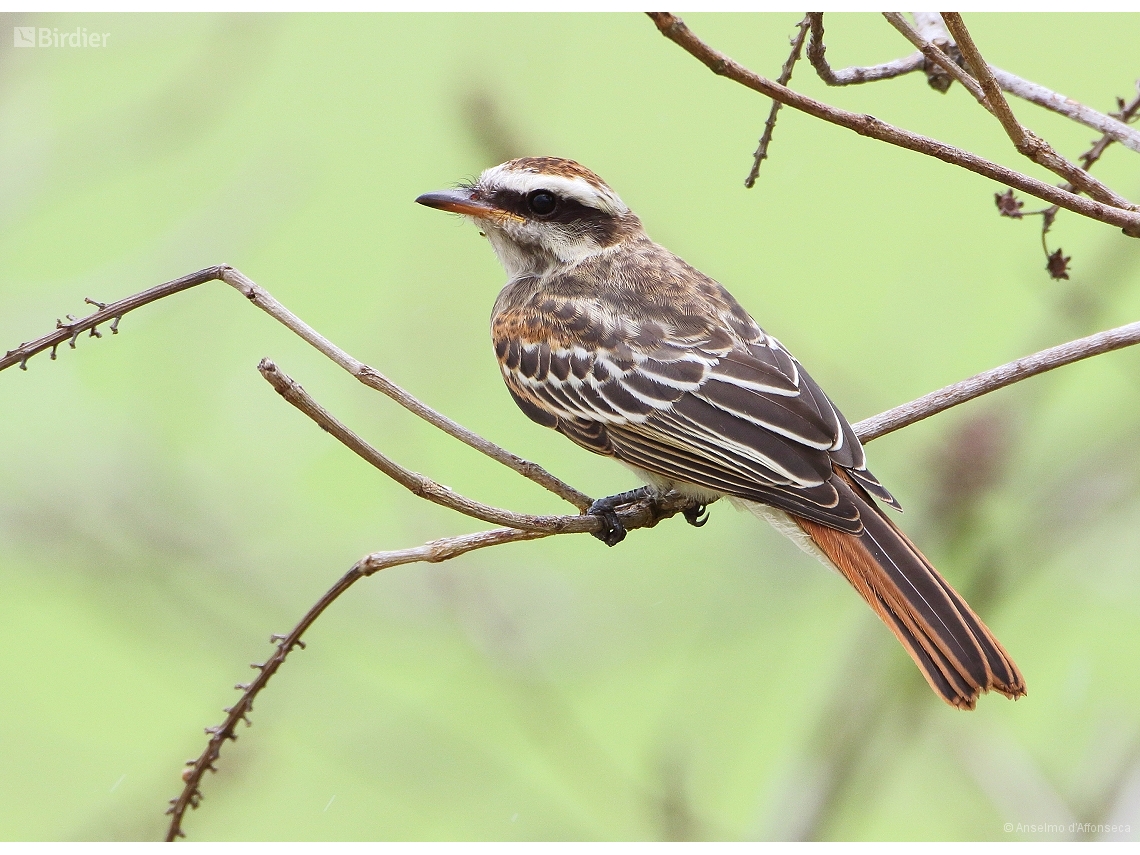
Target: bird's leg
(614,532)
(697,514)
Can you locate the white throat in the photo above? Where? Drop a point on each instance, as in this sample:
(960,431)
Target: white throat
(523,249)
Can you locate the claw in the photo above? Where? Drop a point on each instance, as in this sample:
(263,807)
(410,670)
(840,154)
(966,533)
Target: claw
(614,532)
(697,515)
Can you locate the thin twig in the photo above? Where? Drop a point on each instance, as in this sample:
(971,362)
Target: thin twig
(108,312)
(932,38)
(113,312)
(373,379)
(1035,93)
(1126,114)
(1023,139)
(770,123)
(676,31)
(996,378)
(936,55)
(993,98)
(432,552)
(1009,206)
(817,55)
(932,28)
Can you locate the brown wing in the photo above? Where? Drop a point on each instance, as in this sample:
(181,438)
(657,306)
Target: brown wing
(729,415)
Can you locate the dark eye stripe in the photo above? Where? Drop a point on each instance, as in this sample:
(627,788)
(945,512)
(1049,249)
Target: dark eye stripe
(603,227)
(520,203)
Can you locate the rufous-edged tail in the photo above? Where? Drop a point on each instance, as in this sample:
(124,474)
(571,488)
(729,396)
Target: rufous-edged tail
(955,651)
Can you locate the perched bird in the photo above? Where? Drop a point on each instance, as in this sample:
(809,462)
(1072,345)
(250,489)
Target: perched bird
(621,346)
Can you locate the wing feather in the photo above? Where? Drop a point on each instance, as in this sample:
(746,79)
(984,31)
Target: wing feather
(713,411)
(769,411)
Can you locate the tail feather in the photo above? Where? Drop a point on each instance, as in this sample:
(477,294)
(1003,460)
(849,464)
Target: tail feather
(955,651)
(941,676)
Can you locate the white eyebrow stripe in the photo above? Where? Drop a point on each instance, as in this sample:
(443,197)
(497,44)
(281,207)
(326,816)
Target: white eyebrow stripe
(578,189)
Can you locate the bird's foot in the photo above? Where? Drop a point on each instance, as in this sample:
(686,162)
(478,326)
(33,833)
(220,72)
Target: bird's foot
(697,515)
(605,509)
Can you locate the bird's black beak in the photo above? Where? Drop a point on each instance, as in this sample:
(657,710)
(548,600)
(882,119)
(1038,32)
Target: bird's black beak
(463,202)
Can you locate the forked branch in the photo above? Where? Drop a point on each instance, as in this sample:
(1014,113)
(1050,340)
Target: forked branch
(1023,139)
(1126,216)
(817,56)
(932,38)
(70,331)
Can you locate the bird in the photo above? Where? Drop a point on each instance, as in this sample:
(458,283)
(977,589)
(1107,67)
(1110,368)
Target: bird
(628,351)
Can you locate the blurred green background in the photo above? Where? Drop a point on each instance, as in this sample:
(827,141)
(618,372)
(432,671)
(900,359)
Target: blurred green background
(162,511)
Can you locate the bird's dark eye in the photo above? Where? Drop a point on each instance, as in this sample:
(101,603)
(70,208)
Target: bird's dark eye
(542,202)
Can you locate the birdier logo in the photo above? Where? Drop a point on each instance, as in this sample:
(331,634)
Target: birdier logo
(52,37)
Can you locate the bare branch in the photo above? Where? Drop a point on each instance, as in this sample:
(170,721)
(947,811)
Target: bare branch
(1035,93)
(932,38)
(854,74)
(1023,139)
(432,552)
(71,329)
(375,380)
(416,483)
(426,488)
(936,55)
(113,312)
(932,28)
(1009,206)
(676,31)
(1126,114)
(770,122)
(997,378)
